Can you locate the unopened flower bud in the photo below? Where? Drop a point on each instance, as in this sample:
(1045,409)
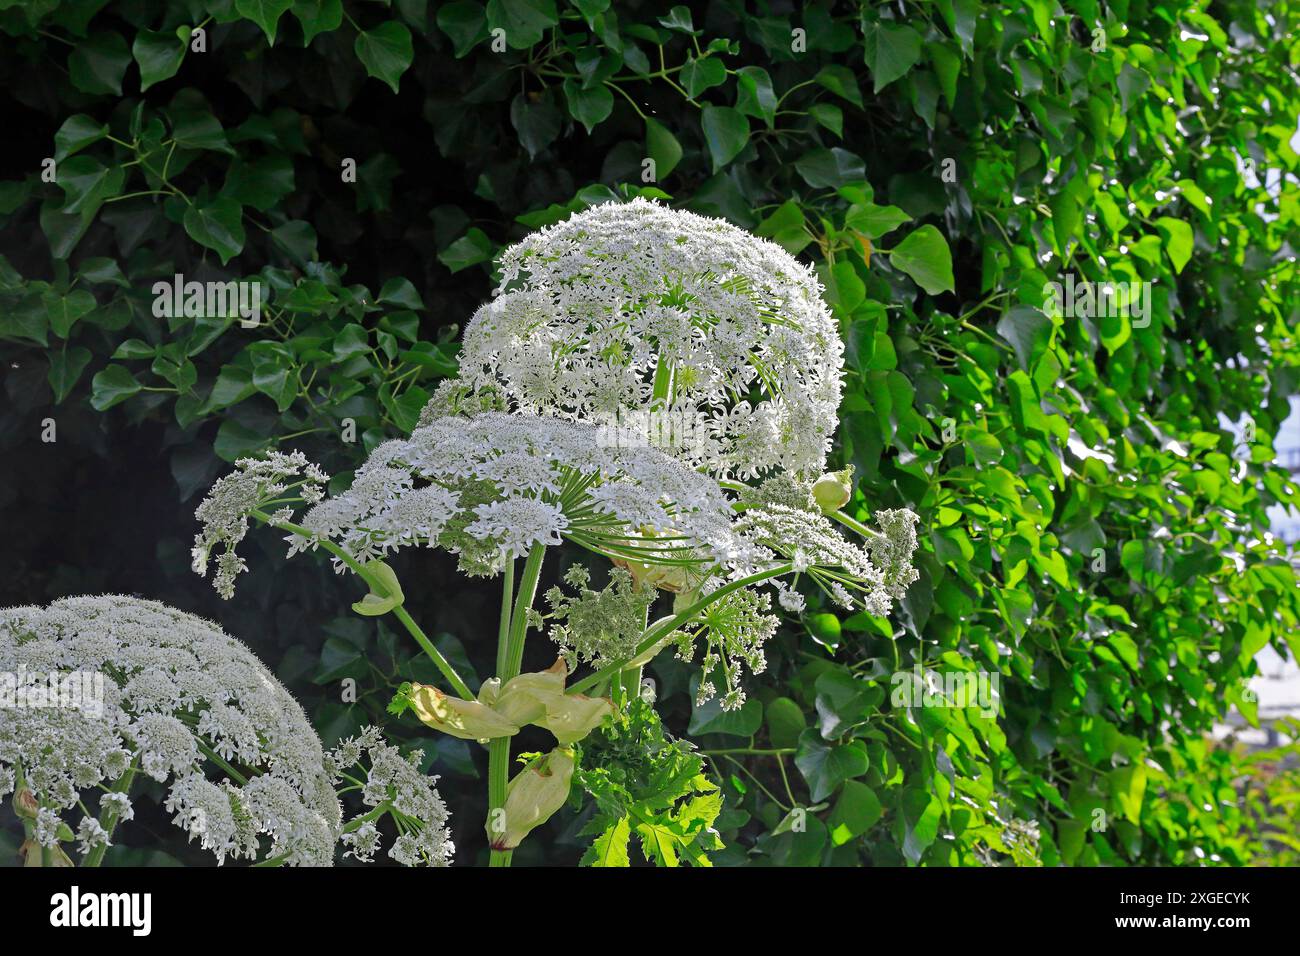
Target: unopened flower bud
(532,797)
(25,805)
(833,490)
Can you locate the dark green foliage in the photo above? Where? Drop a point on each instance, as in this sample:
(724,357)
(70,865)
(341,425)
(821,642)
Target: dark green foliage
(1092,533)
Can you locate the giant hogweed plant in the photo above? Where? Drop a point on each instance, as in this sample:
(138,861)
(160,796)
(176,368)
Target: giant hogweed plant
(623,316)
(1113,141)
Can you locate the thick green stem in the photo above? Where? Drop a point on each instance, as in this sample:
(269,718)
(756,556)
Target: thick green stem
(433,653)
(510,656)
(855,525)
(657,633)
(399,612)
(523,604)
(108,817)
(630,678)
(503,631)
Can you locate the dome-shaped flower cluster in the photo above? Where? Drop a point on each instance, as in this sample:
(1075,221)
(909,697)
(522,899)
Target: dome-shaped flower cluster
(174,697)
(634,307)
(491,486)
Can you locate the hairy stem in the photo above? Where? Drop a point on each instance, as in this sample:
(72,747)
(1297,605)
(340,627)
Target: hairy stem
(630,678)
(108,817)
(510,656)
(399,612)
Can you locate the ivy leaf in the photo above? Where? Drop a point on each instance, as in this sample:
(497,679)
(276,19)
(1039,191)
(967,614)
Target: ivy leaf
(261,184)
(703,73)
(101,269)
(386,51)
(826,766)
(856,811)
(890,50)
(352,340)
(159,55)
(947,66)
(401,292)
(786,227)
(217,224)
(98,64)
(875,221)
(842,701)
(87,183)
(235,440)
(830,168)
(1028,330)
(65,310)
(840,81)
(754,94)
(1178,240)
(679,19)
(77,132)
(726,131)
(830,116)
(233,385)
(265,13)
(199,129)
(62,230)
(589,107)
(65,369)
(710,718)
(920,813)
(785,722)
(113,384)
(662,147)
(1066,206)
(317,17)
(924,255)
(470,249)
(465,23)
(537,123)
(297,239)
(523,21)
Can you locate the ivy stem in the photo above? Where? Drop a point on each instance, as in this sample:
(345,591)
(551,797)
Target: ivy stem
(510,656)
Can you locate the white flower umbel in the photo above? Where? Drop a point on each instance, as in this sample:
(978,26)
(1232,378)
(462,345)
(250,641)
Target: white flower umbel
(638,307)
(256,483)
(781,515)
(394,785)
(491,486)
(182,703)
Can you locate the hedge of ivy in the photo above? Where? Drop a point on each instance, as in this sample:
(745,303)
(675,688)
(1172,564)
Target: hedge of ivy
(1094,533)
